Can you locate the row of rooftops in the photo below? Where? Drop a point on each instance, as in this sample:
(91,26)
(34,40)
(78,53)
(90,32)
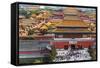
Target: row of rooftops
(72,23)
(72,20)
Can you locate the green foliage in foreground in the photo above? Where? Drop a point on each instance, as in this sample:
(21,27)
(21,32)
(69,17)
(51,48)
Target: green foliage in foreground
(92,52)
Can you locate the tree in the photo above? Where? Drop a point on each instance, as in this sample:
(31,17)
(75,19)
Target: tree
(25,13)
(22,12)
(52,54)
(34,11)
(92,52)
(31,32)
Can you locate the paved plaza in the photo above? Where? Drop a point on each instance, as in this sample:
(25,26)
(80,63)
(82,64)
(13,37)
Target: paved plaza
(72,55)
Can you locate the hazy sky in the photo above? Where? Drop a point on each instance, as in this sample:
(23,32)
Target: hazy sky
(54,7)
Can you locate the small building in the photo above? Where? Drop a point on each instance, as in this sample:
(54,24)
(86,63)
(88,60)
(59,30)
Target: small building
(57,15)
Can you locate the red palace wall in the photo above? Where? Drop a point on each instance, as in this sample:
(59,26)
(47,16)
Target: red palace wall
(83,44)
(60,44)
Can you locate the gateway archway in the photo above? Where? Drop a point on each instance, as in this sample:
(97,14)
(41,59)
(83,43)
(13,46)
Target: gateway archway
(73,46)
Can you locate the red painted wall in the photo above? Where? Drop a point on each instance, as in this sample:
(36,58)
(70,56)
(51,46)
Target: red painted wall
(60,44)
(84,44)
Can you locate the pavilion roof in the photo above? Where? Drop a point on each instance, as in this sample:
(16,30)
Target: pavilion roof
(72,23)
